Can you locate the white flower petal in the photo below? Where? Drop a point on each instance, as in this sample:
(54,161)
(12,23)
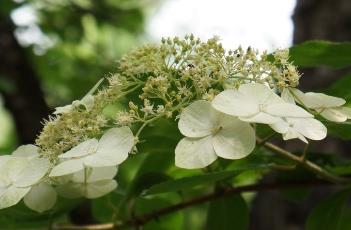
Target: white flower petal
(99,188)
(235,140)
(85,148)
(234,103)
(302,138)
(280,127)
(5,179)
(260,93)
(3,160)
(347,111)
(192,153)
(197,119)
(26,151)
(261,117)
(41,197)
(317,100)
(287,110)
(63,109)
(113,148)
(337,114)
(287,96)
(297,93)
(94,174)
(88,102)
(321,100)
(10,171)
(310,128)
(67,167)
(71,190)
(12,196)
(33,172)
(292,134)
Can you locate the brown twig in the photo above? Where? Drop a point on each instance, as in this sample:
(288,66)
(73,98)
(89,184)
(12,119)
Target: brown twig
(143,219)
(305,163)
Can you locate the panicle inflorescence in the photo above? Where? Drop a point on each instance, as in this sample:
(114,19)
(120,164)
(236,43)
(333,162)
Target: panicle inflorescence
(163,79)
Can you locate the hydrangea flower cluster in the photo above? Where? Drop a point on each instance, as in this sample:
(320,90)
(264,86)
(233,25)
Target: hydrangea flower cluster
(87,170)
(217,96)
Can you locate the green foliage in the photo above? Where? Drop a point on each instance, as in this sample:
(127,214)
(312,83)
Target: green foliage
(227,213)
(172,221)
(329,213)
(321,53)
(198,180)
(87,37)
(341,88)
(20,217)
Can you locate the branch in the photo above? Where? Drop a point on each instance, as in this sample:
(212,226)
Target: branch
(305,163)
(145,218)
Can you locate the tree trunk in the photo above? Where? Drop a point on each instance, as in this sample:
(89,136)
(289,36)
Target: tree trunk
(313,20)
(19,85)
(322,20)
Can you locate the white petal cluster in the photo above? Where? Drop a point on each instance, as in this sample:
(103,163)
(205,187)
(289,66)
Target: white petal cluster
(300,128)
(111,150)
(90,183)
(329,107)
(87,170)
(222,128)
(210,134)
(256,103)
(20,175)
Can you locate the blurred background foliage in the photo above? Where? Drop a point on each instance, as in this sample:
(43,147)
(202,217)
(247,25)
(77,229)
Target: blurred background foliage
(69,45)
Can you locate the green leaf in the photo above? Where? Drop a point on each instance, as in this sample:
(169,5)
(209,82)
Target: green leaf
(21,217)
(341,88)
(341,130)
(172,221)
(345,222)
(228,213)
(146,181)
(321,53)
(190,182)
(328,213)
(297,195)
(105,207)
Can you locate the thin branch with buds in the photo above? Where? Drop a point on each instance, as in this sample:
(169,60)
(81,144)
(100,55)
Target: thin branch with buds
(143,219)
